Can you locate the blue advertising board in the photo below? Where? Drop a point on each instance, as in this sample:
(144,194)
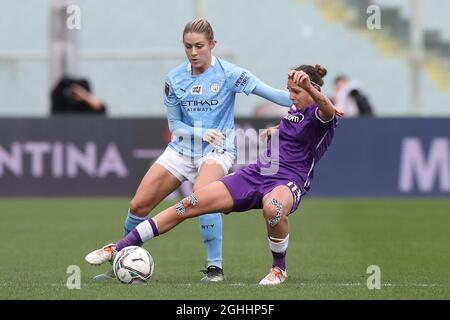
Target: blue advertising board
(80,156)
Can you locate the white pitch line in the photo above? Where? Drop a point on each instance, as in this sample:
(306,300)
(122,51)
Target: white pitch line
(312,285)
(406,285)
(240,284)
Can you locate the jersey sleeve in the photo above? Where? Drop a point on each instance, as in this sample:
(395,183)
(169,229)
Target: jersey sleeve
(279,97)
(170,99)
(240,80)
(328,123)
(177,126)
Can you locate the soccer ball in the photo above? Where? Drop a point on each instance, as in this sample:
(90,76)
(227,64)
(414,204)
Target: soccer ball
(133,265)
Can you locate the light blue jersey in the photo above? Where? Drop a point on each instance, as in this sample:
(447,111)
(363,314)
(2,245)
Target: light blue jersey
(197,103)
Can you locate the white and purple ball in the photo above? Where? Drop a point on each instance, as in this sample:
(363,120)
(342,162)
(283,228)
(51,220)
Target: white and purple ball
(133,265)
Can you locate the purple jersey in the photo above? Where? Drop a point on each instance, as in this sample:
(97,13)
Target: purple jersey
(303,140)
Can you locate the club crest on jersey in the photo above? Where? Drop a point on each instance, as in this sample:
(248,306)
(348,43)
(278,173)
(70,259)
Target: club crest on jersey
(215,87)
(167,88)
(197,89)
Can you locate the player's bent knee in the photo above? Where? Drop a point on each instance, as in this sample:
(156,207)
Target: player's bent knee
(273,212)
(188,202)
(138,208)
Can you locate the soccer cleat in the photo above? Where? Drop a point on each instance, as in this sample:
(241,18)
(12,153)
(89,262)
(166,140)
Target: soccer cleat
(213,274)
(100,256)
(105,276)
(275,276)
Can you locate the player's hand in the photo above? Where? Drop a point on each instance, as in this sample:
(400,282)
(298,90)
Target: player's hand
(339,112)
(215,138)
(301,78)
(267,134)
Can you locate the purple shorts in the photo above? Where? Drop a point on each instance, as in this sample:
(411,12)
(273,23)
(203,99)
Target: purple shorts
(248,187)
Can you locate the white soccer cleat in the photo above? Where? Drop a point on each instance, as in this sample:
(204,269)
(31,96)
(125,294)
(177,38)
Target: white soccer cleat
(275,276)
(100,256)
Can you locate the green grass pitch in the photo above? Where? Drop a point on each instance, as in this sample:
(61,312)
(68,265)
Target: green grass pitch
(332,242)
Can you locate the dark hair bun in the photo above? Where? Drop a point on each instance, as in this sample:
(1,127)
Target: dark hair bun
(321,70)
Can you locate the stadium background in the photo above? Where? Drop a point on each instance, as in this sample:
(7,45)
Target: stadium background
(388,177)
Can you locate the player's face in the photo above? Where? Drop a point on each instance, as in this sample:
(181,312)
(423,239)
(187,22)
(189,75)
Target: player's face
(198,50)
(299,97)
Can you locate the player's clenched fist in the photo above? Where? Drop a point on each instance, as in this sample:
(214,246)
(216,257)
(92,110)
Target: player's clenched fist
(301,78)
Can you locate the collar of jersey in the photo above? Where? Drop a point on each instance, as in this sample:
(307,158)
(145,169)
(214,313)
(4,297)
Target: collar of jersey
(304,109)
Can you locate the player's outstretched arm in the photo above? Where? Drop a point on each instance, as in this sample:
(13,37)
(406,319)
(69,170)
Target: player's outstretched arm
(277,96)
(326,108)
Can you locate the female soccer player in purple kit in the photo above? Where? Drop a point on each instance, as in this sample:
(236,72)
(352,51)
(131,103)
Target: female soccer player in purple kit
(304,135)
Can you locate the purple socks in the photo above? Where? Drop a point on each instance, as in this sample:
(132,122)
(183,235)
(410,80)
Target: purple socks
(131,239)
(279,260)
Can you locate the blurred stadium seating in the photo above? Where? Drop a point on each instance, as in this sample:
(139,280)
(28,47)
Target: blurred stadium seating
(129,47)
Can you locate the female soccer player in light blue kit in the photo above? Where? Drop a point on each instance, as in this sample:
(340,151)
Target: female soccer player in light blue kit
(199,95)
